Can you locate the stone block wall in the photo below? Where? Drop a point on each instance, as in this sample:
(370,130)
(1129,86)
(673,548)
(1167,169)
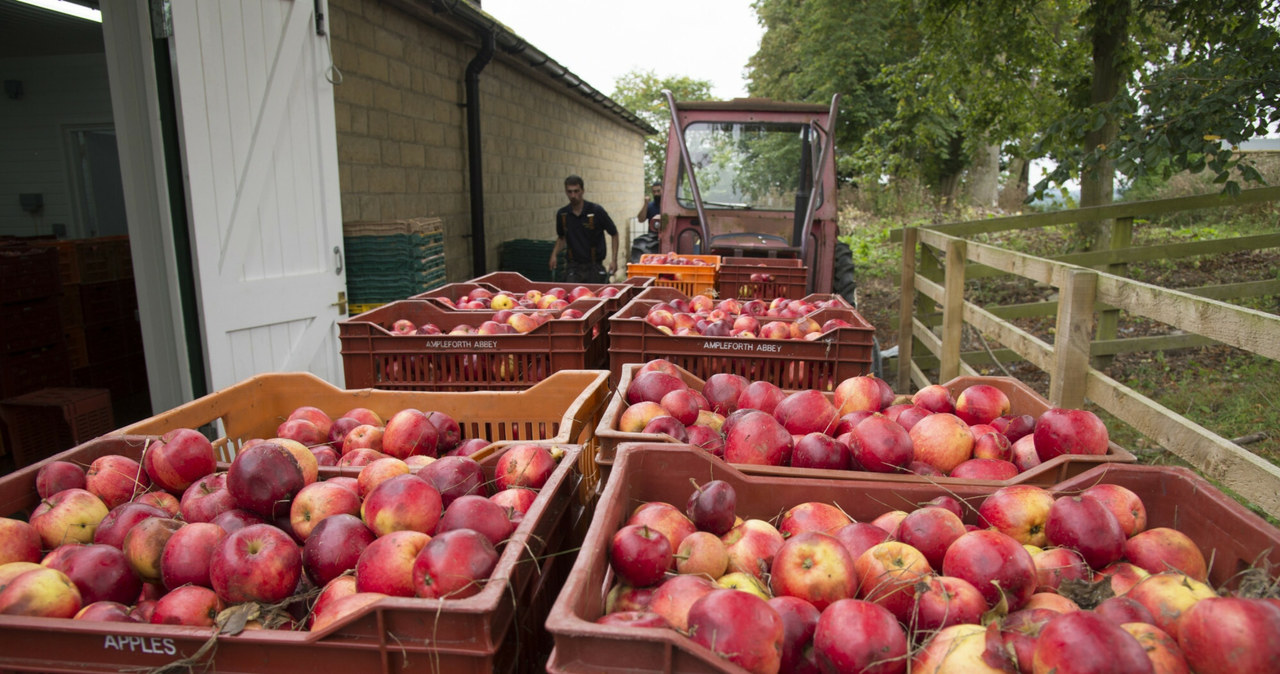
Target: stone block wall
(402,136)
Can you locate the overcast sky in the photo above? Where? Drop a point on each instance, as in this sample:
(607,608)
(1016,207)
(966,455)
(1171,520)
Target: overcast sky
(600,40)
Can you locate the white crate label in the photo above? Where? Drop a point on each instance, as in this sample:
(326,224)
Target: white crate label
(460,344)
(744,345)
(157,645)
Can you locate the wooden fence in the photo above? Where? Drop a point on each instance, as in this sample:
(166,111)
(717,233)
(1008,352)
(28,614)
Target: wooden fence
(1092,291)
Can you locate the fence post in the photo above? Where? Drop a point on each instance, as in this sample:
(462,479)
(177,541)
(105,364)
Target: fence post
(952,311)
(906,308)
(1076,296)
(1109,320)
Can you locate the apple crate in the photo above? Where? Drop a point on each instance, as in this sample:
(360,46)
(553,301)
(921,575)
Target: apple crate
(789,363)
(518,284)
(783,277)
(665,294)
(48,421)
(1022,400)
(27,272)
(688,279)
(1231,538)
(564,408)
(372,356)
(499,629)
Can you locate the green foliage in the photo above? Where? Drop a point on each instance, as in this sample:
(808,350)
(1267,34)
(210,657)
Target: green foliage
(640,91)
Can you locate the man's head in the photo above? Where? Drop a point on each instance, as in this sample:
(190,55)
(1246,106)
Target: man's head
(656,189)
(574,188)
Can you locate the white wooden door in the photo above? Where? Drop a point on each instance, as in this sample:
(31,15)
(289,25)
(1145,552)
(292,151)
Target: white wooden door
(260,154)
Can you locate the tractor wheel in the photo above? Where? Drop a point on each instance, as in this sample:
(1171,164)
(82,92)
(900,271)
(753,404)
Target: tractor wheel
(843,284)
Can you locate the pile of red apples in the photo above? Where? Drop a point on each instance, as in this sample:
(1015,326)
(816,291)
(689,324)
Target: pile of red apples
(672,258)
(554,298)
(779,318)
(861,425)
(171,539)
(925,591)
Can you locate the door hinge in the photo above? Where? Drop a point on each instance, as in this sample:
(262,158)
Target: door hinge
(341,303)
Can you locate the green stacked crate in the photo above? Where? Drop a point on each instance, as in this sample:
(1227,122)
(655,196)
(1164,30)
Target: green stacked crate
(529,257)
(392,260)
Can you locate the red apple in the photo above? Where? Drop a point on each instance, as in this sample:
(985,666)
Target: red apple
(1082,641)
(1055,565)
(799,621)
(812,516)
(1165,549)
(100,572)
(1230,634)
(40,593)
(860,537)
(56,476)
(1123,503)
(1020,511)
(676,595)
(334,547)
(757,438)
(761,395)
(375,472)
(702,553)
(813,566)
(740,628)
(386,564)
(1163,650)
(454,565)
(881,446)
(144,545)
(722,391)
(993,446)
(931,530)
(942,440)
(190,605)
(860,636)
(112,529)
(666,425)
(888,574)
(402,503)
(994,563)
(751,546)
(479,514)
(967,648)
(712,507)
(409,432)
(819,450)
(206,498)
(946,601)
(264,479)
(454,476)
(935,398)
(257,563)
(1086,526)
(1121,576)
(1168,596)
(69,516)
(806,411)
(985,469)
(302,431)
(683,405)
(665,519)
(517,499)
(318,501)
(653,387)
(106,611)
(867,393)
(116,479)
(236,519)
(524,465)
(1060,431)
(981,404)
(19,541)
(639,555)
(186,555)
(364,436)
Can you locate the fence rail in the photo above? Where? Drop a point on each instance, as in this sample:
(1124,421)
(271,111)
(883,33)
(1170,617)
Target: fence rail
(1091,293)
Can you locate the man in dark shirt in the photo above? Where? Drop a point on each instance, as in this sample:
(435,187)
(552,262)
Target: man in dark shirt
(581,227)
(653,206)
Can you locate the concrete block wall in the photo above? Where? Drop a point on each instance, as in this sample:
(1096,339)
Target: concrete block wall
(402,136)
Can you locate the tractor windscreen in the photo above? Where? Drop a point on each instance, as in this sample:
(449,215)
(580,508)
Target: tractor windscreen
(747,165)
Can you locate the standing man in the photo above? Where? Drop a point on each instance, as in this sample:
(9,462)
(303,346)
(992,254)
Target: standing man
(582,225)
(653,206)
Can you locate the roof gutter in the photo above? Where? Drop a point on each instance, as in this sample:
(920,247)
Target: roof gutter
(515,46)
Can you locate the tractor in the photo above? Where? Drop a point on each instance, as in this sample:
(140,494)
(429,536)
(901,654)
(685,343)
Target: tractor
(750,179)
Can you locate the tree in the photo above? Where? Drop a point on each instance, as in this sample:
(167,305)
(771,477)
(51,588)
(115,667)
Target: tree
(640,91)
(813,49)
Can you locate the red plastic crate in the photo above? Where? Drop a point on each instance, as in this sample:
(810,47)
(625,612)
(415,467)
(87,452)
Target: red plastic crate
(374,357)
(1022,399)
(52,420)
(30,324)
(498,630)
(33,369)
(517,283)
(788,363)
(786,277)
(1231,538)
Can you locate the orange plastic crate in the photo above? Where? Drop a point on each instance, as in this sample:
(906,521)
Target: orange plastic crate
(688,279)
(374,357)
(498,630)
(1231,538)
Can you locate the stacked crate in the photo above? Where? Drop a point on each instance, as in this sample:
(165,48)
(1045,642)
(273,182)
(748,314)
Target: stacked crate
(393,259)
(33,351)
(99,314)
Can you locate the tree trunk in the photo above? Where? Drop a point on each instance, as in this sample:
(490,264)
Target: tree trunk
(1015,191)
(984,177)
(1097,182)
